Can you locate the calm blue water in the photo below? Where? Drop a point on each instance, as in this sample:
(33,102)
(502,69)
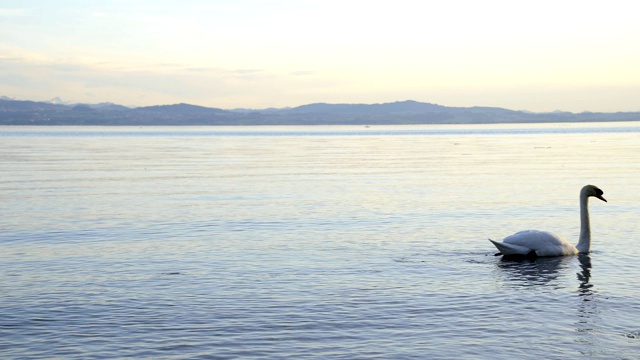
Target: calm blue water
(315,242)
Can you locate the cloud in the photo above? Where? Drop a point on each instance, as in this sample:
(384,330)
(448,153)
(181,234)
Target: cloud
(14,13)
(35,77)
(303,73)
(247,71)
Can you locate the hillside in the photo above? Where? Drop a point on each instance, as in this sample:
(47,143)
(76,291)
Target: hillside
(17,112)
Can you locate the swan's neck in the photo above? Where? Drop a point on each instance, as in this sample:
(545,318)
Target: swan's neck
(584,244)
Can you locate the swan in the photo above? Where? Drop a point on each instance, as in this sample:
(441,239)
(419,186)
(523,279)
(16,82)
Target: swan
(543,243)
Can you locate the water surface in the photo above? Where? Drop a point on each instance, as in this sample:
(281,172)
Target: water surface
(315,242)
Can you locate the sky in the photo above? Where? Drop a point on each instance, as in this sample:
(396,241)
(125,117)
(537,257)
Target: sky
(523,55)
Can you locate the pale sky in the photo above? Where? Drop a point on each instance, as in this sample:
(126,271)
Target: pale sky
(523,55)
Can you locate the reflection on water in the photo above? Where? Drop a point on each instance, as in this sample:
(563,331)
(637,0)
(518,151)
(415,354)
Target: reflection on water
(585,274)
(544,272)
(534,271)
(588,321)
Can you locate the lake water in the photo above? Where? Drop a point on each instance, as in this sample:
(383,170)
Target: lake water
(315,242)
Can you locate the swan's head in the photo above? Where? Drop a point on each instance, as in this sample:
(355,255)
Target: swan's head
(591,190)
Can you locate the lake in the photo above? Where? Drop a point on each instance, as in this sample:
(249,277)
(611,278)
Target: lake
(315,242)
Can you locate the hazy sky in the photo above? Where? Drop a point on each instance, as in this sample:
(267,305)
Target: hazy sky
(524,55)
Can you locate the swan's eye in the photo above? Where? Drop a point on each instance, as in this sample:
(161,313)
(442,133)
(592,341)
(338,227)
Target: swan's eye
(599,192)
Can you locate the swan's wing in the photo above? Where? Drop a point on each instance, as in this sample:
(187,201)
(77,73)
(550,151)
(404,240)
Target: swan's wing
(511,249)
(535,239)
(543,243)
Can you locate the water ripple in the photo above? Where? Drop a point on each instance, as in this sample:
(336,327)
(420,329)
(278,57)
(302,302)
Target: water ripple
(208,245)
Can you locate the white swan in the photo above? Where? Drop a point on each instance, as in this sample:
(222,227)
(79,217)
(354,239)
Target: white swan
(543,243)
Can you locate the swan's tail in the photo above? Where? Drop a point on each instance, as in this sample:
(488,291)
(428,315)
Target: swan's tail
(510,249)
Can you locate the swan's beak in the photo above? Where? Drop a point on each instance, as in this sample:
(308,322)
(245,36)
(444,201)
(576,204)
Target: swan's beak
(601,198)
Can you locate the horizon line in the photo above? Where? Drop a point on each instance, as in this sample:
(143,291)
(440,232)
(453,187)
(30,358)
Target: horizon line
(58,101)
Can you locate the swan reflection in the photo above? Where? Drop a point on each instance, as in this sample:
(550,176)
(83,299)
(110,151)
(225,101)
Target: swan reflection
(585,275)
(540,271)
(533,272)
(589,319)
(546,271)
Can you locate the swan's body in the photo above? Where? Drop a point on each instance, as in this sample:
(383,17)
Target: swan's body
(535,243)
(543,243)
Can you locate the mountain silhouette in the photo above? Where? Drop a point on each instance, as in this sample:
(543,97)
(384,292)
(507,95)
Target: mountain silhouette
(20,112)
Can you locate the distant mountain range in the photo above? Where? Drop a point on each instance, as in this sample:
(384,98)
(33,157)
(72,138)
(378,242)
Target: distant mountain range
(57,112)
